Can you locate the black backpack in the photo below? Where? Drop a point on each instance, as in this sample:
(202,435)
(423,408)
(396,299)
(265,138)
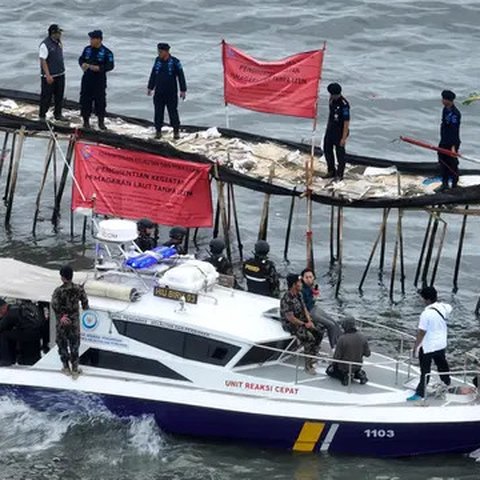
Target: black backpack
(29,317)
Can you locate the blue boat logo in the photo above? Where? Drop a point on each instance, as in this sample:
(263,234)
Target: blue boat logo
(89,320)
(86,152)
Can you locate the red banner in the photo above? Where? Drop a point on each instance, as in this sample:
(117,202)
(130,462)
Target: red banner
(284,87)
(132,185)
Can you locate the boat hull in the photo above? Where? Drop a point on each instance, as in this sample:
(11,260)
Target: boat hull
(304,435)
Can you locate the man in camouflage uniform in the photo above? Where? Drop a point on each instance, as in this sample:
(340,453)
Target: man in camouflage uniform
(65,304)
(297,320)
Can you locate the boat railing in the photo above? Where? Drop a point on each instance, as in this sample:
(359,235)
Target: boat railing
(327,359)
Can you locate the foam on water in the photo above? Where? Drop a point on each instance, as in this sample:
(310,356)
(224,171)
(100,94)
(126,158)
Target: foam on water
(145,436)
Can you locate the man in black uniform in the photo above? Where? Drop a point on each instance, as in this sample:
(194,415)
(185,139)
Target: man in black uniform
(260,272)
(177,238)
(449,140)
(96,60)
(145,241)
(52,71)
(163,80)
(337,131)
(218,259)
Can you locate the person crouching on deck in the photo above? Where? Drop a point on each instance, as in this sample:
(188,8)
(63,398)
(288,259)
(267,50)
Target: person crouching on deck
(297,320)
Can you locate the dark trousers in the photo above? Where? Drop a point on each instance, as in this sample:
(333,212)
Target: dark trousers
(8,347)
(68,342)
(341,374)
(331,143)
(93,97)
(171,102)
(425,359)
(55,90)
(448,166)
(322,320)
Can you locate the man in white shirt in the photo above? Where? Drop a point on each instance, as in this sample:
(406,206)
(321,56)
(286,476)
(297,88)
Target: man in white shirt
(52,71)
(431,340)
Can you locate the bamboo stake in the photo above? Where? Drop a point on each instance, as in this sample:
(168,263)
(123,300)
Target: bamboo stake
(439,253)
(10,166)
(223,213)
(195,238)
(48,158)
(63,180)
(374,248)
(4,151)
(55,183)
(428,257)
(422,251)
(332,235)
(477,308)
(289,226)
(384,239)
(216,225)
(263,227)
(339,249)
(459,251)
(395,258)
(237,225)
(14,175)
(400,237)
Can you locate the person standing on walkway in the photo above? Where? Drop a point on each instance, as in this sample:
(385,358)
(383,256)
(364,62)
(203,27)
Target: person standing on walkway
(167,74)
(337,132)
(431,341)
(449,140)
(52,71)
(96,60)
(65,304)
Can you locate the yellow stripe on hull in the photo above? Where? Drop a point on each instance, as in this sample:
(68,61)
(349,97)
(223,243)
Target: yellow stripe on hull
(308,436)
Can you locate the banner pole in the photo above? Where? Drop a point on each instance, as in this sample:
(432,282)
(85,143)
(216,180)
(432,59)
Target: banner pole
(227,118)
(309,182)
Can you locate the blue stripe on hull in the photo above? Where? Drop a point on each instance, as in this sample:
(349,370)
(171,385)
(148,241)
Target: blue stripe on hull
(379,440)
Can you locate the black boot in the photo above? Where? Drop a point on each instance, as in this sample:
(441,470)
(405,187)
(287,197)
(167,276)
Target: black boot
(101,123)
(86,122)
(176,133)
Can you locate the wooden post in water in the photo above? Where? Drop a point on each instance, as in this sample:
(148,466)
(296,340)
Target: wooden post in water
(289,225)
(4,151)
(386,212)
(10,166)
(48,158)
(339,249)
(374,248)
(439,253)
(14,175)
(459,251)
(223,213)
(235,221)
(63,180)
(263,227)
(422,251)
(430,246)
(216,224)
(332,235)
(396,250)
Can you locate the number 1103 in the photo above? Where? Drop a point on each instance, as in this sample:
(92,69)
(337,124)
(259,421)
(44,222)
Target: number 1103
(378,433)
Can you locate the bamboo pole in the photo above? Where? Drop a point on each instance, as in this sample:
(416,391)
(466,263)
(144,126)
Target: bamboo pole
(477,308)
(235,220)
(332,235)
(422,251)
(289,225)
(10,166)
(55,181)
(263,227)
(63,180)
(14,175)
(374,248)
(223,213)
(459,251)
(216,224)
(339,249)
(195,238)
(48,159)
(395,258)
(439,253)
(4,150)
(309,171)
(428,257)
(400,236)
(386,212)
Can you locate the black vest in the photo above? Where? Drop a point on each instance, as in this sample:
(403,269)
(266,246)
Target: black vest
(55,62)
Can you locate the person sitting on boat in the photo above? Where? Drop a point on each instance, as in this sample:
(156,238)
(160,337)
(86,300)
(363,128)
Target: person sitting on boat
(218,258)
(20,334)
(351,346)
(260,272)
(65,304)
(177,239)
(297,320)
(311,293)
(431,341)
(145,240)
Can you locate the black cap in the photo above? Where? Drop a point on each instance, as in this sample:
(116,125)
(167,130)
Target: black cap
(95,34)
(429,293)
(163,46)
(262,248)
(217,245)
(66,272)
(2,302)
(177,233)
(292,279)
(54,28)
(334,89)
(448,95)
(144,223)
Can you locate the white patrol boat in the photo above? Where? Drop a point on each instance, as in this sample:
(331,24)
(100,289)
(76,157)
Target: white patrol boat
(207,360)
